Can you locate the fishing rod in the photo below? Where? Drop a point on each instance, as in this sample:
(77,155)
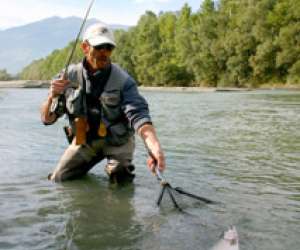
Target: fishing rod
(56,104)
(166,186)
(77,38)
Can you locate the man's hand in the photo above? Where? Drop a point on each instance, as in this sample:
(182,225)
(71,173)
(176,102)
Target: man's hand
(58,87)
(156,161)
(156,158)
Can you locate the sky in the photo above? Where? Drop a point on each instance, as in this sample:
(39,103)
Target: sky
(20,12)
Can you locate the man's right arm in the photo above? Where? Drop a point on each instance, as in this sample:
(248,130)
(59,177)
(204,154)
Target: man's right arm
(57,88)
(47,117)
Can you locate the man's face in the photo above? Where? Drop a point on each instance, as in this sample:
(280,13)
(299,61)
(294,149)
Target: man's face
(98,57)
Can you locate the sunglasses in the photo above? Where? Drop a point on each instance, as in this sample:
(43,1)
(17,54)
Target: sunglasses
(105,46)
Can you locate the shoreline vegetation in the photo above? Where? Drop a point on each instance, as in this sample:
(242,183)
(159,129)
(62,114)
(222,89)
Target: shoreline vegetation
(46,83)
(225,44)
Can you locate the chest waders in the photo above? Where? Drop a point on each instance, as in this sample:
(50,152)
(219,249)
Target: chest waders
(113,126)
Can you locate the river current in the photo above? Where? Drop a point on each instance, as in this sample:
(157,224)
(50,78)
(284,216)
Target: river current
(241,149)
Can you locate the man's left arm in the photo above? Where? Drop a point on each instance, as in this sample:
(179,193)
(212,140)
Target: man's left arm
(136,110)
(148,134)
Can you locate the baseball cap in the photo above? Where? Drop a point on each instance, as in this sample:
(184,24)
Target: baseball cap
(98,34)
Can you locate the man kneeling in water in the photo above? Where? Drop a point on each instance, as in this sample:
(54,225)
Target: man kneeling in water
(104,109)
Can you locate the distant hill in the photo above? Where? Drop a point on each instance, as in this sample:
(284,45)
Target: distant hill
(19,46)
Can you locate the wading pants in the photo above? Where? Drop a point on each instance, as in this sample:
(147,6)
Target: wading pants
(77,160)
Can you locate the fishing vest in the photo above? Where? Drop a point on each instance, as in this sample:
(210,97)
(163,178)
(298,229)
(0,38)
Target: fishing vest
(116,124)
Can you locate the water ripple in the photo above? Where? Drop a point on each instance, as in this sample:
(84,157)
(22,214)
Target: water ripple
(241,149)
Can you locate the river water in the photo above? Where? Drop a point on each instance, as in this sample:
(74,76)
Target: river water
(239,148)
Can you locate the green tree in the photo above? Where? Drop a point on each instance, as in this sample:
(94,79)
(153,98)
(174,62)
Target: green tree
(147,51)
(183,33)
(286,18)
(238,42)
(124,51)
(4,75)
(294,74)
(171,72)
(202,62)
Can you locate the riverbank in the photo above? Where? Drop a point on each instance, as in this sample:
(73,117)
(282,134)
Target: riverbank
(46,84)
(191,89)
(24,84)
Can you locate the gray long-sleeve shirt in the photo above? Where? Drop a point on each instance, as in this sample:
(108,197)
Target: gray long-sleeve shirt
(134,105)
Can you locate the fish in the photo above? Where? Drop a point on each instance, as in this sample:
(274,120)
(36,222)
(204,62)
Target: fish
(229,240)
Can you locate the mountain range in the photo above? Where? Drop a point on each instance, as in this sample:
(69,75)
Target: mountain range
(20,45)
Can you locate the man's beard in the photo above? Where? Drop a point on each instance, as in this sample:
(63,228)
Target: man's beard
(100,61)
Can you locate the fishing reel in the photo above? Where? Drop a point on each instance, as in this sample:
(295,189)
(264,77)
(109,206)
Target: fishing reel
(58,106)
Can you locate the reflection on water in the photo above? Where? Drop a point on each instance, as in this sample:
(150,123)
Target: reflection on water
(98,214)
(241,149)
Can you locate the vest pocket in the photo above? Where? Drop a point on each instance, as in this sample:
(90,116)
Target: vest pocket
(118,132)
(74,102)
(111,105)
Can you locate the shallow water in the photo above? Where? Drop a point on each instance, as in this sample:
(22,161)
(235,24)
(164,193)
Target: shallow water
(239,148)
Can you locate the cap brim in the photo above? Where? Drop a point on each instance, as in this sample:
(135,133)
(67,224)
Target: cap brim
(100,40)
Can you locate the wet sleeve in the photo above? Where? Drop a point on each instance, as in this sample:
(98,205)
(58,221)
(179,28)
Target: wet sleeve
(134,106)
